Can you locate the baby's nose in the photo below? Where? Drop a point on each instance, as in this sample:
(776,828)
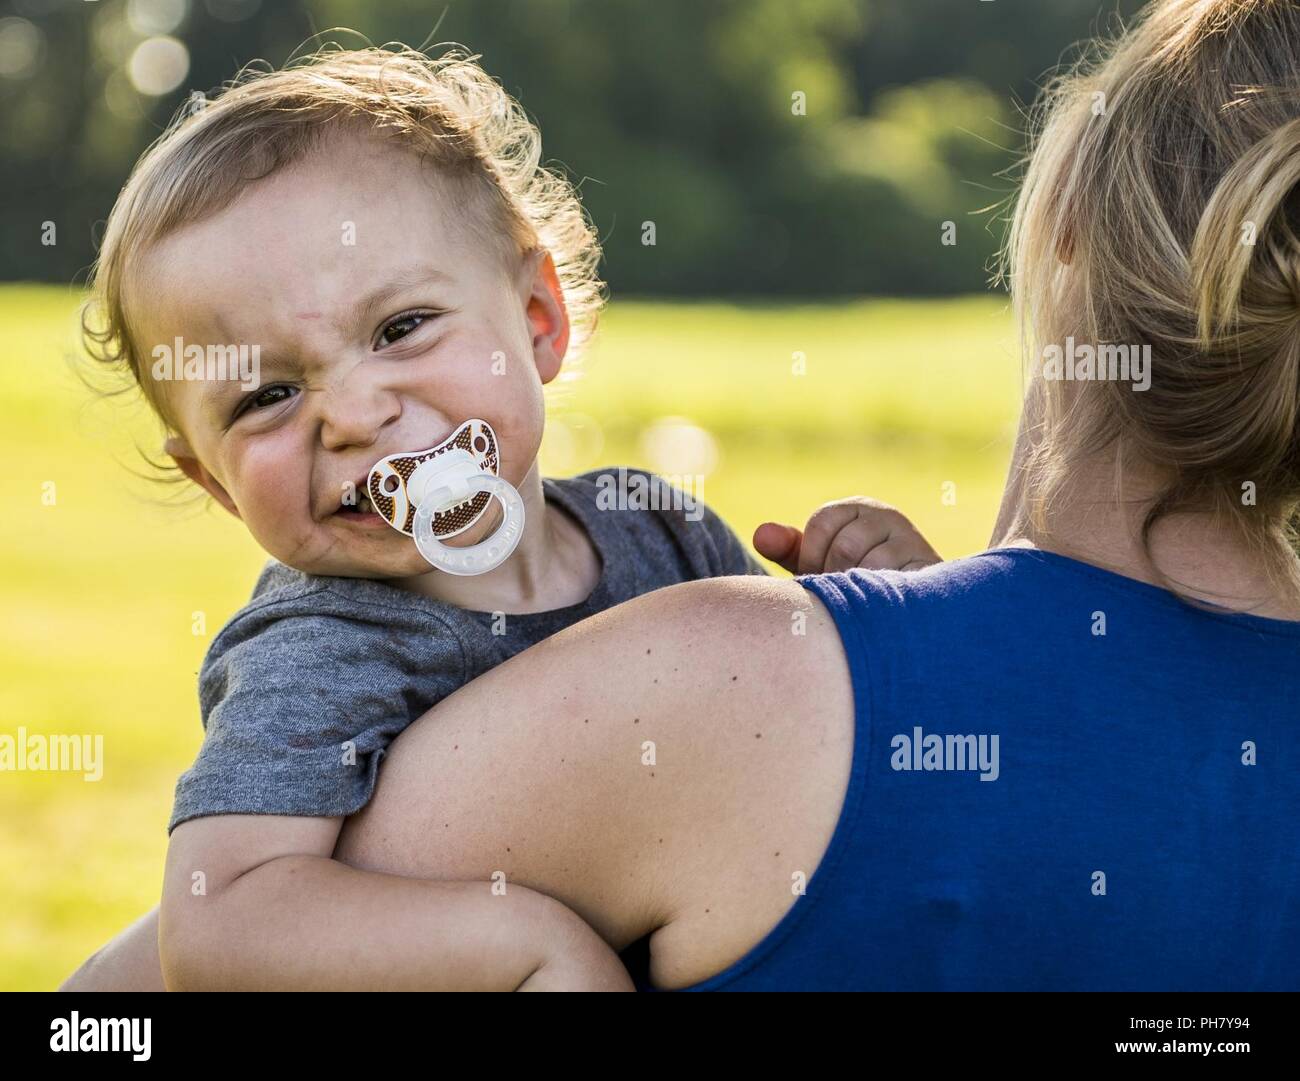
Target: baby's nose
(356,415)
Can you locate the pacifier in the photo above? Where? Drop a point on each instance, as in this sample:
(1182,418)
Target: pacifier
(441,492)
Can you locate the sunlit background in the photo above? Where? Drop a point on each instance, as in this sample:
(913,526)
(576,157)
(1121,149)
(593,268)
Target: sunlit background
(798,332)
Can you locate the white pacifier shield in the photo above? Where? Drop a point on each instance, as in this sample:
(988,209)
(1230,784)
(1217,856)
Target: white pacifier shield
(387,482)
(450,479)
(438,483)
(437,489)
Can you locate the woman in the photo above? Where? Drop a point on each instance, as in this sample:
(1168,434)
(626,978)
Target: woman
(748,771)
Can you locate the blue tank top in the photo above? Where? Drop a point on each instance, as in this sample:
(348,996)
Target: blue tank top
(1062,779)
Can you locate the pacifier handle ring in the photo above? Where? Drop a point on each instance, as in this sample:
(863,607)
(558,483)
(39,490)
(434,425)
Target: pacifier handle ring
(486,554)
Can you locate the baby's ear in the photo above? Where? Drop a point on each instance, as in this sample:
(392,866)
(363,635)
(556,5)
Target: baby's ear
(548,316)
(176,448)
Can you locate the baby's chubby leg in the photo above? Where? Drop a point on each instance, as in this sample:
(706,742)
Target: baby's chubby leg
(130,962)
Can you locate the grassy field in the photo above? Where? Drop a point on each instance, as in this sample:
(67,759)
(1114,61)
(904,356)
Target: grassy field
(897,399)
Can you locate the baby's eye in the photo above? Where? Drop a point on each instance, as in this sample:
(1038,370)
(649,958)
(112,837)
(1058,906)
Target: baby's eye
(265,398)
(399,328)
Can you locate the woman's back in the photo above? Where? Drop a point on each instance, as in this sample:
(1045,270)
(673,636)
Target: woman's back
(1062,779)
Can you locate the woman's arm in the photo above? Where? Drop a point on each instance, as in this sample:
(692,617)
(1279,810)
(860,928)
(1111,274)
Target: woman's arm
(672,765)
(666,767)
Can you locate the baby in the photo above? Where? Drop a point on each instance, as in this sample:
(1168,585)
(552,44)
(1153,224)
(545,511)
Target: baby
(372,235)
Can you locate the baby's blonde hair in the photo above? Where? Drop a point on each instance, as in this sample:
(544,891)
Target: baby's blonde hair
(1160,207)
(447,109)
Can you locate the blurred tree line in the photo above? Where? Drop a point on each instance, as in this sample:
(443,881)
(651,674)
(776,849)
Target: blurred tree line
(782,147)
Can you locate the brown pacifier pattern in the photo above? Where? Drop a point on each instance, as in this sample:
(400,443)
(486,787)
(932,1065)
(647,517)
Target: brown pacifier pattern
(454,519)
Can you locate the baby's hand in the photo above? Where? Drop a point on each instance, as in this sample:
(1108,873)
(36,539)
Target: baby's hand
(854,532)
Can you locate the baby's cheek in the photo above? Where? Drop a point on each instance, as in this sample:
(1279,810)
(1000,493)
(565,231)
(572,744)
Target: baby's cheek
(271,496)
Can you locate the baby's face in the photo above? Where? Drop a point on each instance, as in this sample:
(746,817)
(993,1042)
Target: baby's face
(369,348)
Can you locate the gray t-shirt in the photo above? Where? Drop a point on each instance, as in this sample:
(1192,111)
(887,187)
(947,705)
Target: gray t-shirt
(304,689)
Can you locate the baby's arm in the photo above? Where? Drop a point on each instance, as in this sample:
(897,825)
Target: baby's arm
(853,532)
(128,963)
(254,902)
(131,961)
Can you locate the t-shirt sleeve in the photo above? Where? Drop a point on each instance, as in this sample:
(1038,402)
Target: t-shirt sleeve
(298,710)
(712,546)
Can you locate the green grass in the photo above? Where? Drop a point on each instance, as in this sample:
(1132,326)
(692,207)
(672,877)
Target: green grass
(100,589)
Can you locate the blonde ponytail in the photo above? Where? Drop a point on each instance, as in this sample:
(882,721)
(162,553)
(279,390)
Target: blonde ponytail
(1161,207)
